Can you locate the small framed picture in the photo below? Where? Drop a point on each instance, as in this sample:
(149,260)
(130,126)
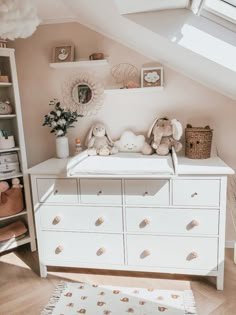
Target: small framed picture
(152,77)
(63,53)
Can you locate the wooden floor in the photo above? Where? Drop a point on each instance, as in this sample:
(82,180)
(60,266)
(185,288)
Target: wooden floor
(23,292)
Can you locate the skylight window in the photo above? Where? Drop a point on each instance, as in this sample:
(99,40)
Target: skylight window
(221,11)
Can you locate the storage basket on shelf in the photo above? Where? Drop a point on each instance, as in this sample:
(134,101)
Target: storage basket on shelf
(198,142)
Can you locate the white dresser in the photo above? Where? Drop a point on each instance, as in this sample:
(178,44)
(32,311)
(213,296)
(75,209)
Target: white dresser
(132,214)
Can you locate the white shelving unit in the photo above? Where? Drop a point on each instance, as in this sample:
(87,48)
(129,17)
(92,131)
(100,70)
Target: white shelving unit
(9,150)
(103,62)
(13,124)
(112,91)
(79,63)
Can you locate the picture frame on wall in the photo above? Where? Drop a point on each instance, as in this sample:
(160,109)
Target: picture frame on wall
(152,77)
(64,53)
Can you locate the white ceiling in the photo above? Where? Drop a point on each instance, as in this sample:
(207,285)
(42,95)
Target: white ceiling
(146,34)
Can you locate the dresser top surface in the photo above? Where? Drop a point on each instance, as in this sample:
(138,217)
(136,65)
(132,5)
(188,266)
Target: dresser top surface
(130,164)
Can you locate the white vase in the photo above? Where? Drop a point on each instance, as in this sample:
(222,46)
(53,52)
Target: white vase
(62,147)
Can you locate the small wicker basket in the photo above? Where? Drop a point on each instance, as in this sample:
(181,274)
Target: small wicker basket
(198,142)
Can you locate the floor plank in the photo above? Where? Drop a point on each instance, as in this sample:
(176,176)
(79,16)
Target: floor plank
(24,292)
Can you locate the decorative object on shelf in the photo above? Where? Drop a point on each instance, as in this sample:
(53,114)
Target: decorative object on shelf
(165,133)
(3,78)
(83,93)
(152,77)
(198,141)
(124,73)
(130,142)
(3,43)
(60,119)
(63,53)
(99,142)
(5,108)
(16,183)
(9,164)
(132,85)
(18,18)
(78,146)
(12,231)
(6,141)
(96,56)
(11,199)
(4,186)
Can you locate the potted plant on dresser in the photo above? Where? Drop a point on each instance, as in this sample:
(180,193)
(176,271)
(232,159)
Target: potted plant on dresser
(60,119)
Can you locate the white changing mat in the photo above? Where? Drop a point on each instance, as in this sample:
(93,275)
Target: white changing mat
(124,164)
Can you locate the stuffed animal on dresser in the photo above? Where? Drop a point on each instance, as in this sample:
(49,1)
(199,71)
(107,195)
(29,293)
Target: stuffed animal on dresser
(130,142)
(99,142)
(165,133)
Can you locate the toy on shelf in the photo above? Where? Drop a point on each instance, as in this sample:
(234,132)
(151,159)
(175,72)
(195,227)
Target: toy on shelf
(165,133)
(16,183)
(99,142)
(11,198)
(4,186)
(5,107)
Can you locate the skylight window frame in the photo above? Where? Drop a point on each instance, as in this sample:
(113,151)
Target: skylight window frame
(219,17)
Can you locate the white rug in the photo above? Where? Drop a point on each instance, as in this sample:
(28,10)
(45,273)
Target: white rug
(80,298)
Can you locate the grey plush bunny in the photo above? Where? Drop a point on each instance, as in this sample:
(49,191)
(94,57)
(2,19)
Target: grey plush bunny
(99,141)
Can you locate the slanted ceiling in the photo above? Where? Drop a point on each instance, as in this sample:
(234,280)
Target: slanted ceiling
(131,6)
(146,34)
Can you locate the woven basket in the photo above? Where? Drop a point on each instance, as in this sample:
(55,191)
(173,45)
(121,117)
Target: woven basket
(198,142)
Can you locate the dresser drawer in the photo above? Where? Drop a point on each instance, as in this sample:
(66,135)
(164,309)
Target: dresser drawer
(51,190)
(147,192)
(187,192)
(81,247)
(81,218)
(172,252)
(172,221)
(97,191)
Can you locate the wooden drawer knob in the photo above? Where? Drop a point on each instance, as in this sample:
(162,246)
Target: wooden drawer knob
(100,221)
(194,194)
(144,223)
(194,223)
(145,193)
(56,220)
(59,249)
(55,192)
(99,193)
(101,251)
(194,255)
(145,253)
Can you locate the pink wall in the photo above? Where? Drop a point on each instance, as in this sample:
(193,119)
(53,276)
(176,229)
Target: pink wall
(181,98)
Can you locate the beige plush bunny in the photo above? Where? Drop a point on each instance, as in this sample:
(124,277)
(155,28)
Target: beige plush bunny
(99,141)
(165,133)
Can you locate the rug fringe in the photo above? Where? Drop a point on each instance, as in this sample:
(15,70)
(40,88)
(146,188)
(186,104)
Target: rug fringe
(189,303)
(48,310)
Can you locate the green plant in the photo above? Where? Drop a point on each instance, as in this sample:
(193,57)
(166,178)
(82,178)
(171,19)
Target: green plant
(60,119)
